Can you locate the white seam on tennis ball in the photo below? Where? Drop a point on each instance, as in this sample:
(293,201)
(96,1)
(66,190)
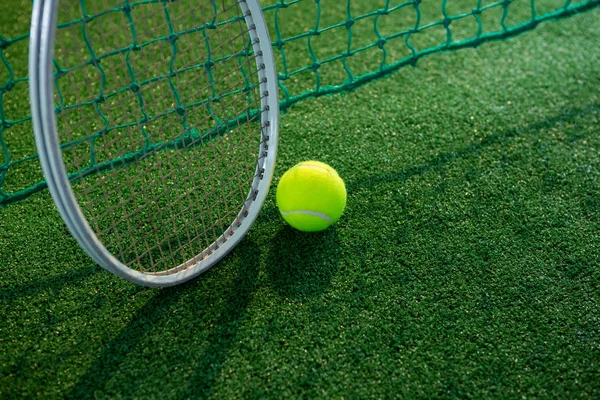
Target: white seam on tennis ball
(314,166)
(307,212)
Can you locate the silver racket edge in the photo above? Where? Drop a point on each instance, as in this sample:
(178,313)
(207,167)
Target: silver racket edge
(43,84)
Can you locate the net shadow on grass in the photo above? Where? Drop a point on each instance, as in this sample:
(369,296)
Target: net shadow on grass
(139,334)
(448,157)
(301,265)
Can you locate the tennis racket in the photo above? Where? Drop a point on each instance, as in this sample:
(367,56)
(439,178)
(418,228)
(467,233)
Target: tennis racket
(156,123)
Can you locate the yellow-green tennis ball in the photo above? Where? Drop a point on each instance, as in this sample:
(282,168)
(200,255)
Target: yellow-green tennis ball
(311,196)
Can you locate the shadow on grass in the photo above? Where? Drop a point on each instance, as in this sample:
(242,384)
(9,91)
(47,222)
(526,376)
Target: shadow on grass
(448,157)
(54,283)
(158,312)
(301,265)
(226,329)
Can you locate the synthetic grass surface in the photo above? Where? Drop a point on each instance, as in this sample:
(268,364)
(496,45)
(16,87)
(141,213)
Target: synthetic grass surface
(465,265)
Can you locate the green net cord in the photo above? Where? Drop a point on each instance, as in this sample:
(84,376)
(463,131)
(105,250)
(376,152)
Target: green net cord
(344,46)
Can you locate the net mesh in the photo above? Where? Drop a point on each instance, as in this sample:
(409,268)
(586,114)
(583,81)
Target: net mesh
(321,48)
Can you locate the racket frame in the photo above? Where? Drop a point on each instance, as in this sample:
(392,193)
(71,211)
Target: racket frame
(41,91)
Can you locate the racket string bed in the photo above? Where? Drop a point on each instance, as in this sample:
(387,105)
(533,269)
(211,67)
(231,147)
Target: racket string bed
(175,232)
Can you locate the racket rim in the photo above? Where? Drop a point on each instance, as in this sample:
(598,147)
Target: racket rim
(43,34)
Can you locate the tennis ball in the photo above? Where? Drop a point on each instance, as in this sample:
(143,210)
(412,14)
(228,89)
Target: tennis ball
(311,196)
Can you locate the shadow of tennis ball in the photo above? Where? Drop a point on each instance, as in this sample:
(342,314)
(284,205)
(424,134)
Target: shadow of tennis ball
(301,265)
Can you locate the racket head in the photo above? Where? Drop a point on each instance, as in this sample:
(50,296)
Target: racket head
(252,62)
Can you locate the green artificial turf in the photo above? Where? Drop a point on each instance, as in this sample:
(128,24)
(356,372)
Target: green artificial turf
(466,263)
